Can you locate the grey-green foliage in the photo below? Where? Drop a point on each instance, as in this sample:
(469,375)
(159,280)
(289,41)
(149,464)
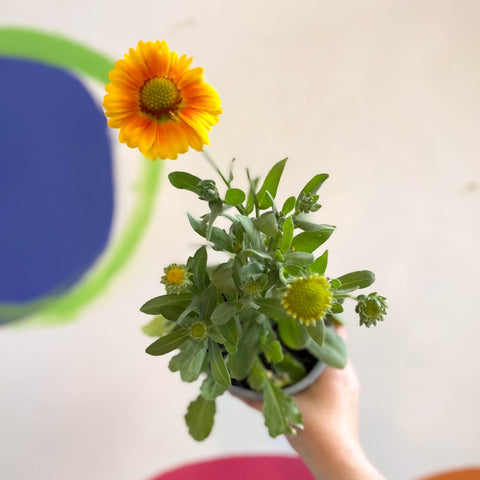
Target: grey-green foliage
(231,322)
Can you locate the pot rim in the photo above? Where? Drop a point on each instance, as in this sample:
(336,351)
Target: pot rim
(304,383)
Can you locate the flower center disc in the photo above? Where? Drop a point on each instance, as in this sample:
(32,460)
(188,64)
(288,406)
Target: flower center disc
(158,97)
(308,299)
(175,275)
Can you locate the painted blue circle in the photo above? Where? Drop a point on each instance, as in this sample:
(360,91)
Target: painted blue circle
(56,191)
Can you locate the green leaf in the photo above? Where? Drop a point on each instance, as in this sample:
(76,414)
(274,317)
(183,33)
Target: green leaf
(231,331)
(293,334)
(273,352)
(215,334)
(270,184)
(289,205)
(252,233)
(335,284)
(208,302)
(158,326)
(310,241)
(221,240)
(317,331)
(217,364)
(198,226)
(280,411)
(302,259)
(292,367)
(248,345)
(219,237)
(223,280)
(333,351)
(185,181)
(211,389)
(320,264)
(189,361)
(250,252)
(173,312)
(293,271)
(191,307)
(287,237)
(168,343)
(256,377)
(354,280)
(253,269)
(158,305)
(237,272)
(312,227)
(198,266)
(267,224)
(199,418)
(231,346)
(336,308)
(315,183)
(273,308)
(270,346)
(234,196)
(252,196)
(224,312)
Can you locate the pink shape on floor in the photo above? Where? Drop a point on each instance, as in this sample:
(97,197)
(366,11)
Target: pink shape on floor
(242,468)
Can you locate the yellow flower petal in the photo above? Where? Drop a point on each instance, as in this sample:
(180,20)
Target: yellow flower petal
(156,120)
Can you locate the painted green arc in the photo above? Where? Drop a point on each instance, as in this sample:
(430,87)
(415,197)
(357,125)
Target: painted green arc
(58,51)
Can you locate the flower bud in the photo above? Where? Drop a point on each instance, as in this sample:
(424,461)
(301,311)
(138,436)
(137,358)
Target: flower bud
(207,190)
(307,202)
(176,279)
(198,331)
(371,309)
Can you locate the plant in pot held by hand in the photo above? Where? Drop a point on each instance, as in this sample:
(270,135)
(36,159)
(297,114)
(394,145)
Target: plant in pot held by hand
(261,322)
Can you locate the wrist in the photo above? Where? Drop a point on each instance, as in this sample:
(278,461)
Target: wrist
(336,457)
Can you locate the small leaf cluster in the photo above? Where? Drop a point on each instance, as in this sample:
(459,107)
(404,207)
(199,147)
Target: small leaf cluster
(230,324)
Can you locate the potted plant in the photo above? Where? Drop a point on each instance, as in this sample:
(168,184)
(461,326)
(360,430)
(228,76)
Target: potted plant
(261,321)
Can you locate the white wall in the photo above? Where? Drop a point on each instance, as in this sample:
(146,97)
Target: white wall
(384,96)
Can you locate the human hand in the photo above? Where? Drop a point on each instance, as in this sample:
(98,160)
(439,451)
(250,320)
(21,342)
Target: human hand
(329,443)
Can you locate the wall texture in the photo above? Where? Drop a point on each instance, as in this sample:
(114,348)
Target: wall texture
(382,95)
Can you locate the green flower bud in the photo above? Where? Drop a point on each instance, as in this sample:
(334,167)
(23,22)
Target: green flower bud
(176,279)
(198,331)
(207,190)
(308,203)
(371,309)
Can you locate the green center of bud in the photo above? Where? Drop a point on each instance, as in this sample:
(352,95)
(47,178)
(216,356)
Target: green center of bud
(371,309)
(198,331)
(159,96)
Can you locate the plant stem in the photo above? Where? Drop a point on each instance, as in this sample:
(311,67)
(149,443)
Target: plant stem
(214,166)
(254,195)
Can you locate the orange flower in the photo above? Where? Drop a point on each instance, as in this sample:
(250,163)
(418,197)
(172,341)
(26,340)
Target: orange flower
(160,105)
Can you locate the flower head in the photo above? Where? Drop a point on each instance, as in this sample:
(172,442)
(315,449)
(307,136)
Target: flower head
(198,331)
(308,299)
(371,309)
(176,278)
(160,105)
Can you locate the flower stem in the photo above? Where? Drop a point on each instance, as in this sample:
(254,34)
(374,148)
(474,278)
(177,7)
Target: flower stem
(214,166)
